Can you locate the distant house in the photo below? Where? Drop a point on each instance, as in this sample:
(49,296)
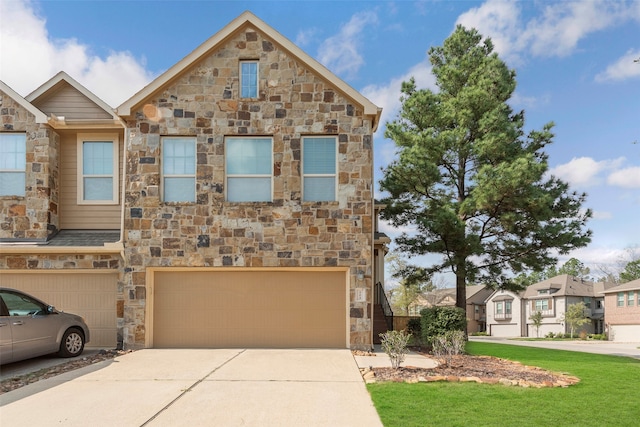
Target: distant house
(476,312)
(509,313)
(622,311)
(505,314)
(437,297)
(476,308)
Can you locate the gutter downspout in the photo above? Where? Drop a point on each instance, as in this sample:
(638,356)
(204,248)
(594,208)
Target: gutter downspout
(123,186)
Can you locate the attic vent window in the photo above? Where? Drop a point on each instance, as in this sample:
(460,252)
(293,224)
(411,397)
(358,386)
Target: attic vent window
(249,79)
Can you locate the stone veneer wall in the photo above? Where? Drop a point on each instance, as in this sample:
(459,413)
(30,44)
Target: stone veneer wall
(33,216)
(204,102)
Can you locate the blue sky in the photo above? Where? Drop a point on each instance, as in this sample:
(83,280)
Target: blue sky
(574,62)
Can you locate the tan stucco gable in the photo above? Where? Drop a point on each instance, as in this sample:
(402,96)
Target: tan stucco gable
(248,19)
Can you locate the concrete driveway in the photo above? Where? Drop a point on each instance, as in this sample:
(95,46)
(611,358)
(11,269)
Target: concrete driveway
(232,387)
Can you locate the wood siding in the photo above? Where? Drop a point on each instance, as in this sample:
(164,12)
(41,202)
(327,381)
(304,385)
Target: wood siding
(83,217)
(67,102)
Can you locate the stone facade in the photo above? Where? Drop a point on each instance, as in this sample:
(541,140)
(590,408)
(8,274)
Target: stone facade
(204,103)
(33,216)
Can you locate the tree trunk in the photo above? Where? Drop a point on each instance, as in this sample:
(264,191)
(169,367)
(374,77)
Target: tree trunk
(461,289)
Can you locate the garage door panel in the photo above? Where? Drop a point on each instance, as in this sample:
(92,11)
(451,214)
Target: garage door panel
(90,295)
(250,309)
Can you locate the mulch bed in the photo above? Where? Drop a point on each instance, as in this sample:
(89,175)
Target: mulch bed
(479,369)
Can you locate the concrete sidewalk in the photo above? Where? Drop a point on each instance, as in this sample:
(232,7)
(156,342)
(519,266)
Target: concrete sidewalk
(595,346)
(230,387)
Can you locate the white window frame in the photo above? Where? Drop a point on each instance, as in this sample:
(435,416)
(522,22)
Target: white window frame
(94,137)
(22,171)
(227,175)
(631,298)
(334,175)
(538,305)
(241,78)
(164,175)
(621,299)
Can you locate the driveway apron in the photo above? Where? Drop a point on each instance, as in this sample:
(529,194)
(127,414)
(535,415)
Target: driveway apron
(230,387)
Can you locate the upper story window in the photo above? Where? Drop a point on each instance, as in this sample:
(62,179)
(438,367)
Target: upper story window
(620,302)
(541,305)
(249,165)
(630,298)
(97,169)
(319,169)
(178,169)
(249,79)
(13,164)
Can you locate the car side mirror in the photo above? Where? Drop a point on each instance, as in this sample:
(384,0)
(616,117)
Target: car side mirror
(50,309)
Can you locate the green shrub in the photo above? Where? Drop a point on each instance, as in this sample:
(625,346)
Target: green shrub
(550,335)
(394,343)
(597,337)
(479,334)
(436,321)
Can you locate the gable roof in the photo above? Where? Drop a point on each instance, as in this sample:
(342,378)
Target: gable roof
(40,116)
(565,284)
(634,285)
(101,111)
(477,294)
(215,41)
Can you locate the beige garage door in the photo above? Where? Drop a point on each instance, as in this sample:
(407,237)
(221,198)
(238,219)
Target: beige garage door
(270,309)
(90,295)
(625,333)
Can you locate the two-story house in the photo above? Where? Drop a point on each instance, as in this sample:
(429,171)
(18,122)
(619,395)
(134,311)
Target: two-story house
(509,313)
(622,311)
(229,203)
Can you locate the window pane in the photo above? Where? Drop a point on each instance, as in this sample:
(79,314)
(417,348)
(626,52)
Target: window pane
(13,162)
(248,156)
(179,189)
(179,156)
(98,189)
(12,183)
(319,156)
(13,151)
(97,158)
(249,79)
(319,189)
(249,189)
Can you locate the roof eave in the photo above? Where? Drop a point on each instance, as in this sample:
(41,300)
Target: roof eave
(39,115)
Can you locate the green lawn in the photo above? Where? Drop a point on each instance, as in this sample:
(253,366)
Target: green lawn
(607,395)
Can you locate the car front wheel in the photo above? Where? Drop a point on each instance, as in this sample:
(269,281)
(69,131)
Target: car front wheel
(72,343)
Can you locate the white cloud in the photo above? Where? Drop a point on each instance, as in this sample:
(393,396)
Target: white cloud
(555,32)
(304,37)
(497,19)
(388,96)
(340,53)
(624,68)
(584,171)
(627,177)
(562,25)
(113,79)
(529,102)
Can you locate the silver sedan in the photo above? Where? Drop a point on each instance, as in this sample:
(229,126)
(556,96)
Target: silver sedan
(31,328)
